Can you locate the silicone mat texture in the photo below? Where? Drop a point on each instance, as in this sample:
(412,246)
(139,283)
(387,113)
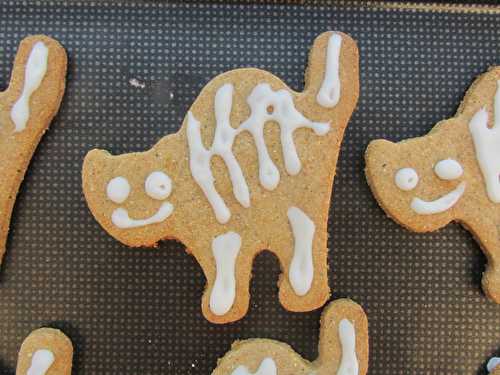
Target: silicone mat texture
(133,311)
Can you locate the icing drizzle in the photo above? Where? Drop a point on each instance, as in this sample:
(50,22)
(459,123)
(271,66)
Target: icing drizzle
(265,105)
(487,146)
(329,93)
(35,70)
(349,363)
(267,367)
(225,249)
(40,362)
(301,272)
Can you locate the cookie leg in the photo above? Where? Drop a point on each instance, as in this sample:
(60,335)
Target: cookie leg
(488,236)
(304,285)
(228,273)
(45,351)
(491,277)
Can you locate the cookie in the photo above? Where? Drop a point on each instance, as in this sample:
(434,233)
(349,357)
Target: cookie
(26,109)
(493,366)
(45,351)
(343,348)
(250,169)
(450,174)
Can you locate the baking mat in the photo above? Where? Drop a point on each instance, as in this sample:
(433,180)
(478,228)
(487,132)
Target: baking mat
(138,311)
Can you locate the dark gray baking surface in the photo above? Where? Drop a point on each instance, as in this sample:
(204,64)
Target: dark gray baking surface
(138,311)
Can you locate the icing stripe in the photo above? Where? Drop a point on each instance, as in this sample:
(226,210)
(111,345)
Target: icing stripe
(265,105)
(35,70)
(225,249)
(349,363)
(40,362)
(487,146)
(267,367)
(329,93)
(301,272)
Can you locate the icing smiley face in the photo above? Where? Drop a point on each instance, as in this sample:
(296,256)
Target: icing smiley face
(157,186)
(406,179)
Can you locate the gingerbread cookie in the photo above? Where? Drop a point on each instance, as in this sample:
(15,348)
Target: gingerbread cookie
(343,348)
(250,169)
(26,109)
(45,351)
(451,174)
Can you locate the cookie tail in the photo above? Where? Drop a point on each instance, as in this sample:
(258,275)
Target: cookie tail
(332,77)
(343,344)
(47,351)
(26,109)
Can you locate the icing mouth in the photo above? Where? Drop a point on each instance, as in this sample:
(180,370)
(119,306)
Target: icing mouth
(122,220)
(441,204)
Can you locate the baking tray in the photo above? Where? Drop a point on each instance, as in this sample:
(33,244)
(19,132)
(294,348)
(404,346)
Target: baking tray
(137,311)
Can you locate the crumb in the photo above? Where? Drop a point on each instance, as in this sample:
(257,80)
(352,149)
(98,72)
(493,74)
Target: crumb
(136,83)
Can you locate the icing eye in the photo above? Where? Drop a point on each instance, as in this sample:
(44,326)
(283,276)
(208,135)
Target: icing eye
(118,189)
(406,179)
(158,185)
(448,169)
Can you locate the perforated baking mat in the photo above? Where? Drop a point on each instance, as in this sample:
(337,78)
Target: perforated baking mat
(134,69)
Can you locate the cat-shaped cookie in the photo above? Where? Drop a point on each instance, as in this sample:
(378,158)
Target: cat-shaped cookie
(26,109)
(343,348)
(450,174)
(250,169)
(45,351)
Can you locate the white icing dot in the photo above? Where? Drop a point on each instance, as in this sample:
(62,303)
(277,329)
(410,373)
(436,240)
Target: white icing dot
(406,179)
(118,189)
(158,185)
(448,169)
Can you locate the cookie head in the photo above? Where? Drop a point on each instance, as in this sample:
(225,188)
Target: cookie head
(412,181)
(129,194)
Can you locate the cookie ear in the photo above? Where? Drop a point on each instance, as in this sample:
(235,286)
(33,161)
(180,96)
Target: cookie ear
(481,94)
(332,75)
(46,349)
(37,84)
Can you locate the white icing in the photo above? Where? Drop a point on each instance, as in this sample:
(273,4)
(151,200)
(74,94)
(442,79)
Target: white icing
(492,363)
(448,169)
(225,249)
(349,362)
(329,93)
(199,160)
(35,70)
(487,146)
(158,185)
(301,272)
(122,220)
(406,179)
(261,100)
(267,367)
(442,204)
(40,362)
(118,189)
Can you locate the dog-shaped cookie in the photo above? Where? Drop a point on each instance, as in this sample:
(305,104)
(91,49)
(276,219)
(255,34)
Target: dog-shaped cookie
(343,349)
(250,169)
(26,109)
(45,351)
(450,174)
